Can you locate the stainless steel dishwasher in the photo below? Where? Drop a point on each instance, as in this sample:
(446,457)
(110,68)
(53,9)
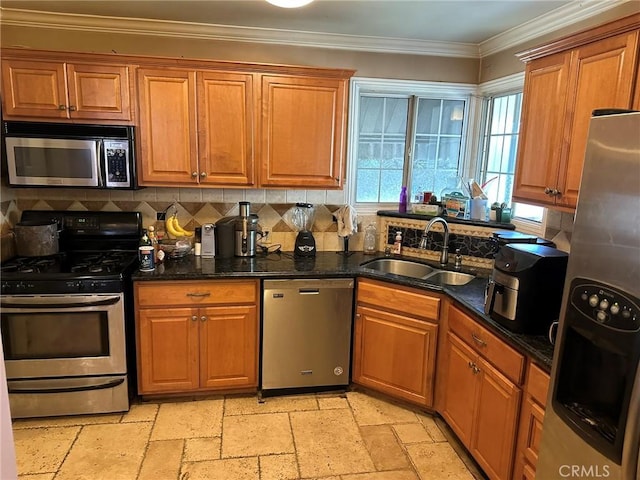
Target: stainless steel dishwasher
(306,333)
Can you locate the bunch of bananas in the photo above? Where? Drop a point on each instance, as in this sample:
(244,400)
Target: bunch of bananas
(173,228)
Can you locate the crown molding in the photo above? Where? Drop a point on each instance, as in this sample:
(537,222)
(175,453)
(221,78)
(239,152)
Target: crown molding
(555,20)
(165,28)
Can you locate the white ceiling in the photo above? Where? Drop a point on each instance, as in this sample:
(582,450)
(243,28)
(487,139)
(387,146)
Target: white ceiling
(415,25)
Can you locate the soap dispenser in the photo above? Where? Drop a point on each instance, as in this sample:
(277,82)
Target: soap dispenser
(397,244)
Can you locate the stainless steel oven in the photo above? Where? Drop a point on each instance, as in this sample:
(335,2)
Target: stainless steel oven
(66,320)
(65,347)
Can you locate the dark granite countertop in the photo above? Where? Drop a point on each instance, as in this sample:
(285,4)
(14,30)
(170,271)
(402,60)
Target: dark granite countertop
(337,265)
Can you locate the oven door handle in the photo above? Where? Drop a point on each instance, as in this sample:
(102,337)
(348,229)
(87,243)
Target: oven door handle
(32,387)
(58,302)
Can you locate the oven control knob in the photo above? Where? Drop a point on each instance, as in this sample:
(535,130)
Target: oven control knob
(601,316)
(626,313)
(593,300)
(93,286)
(615,309)
(604,304)
(80,286)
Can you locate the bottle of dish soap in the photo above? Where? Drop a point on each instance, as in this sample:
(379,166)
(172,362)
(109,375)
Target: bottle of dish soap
(397,244)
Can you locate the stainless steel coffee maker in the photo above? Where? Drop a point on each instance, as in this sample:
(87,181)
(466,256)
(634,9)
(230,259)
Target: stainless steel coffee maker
(246,232)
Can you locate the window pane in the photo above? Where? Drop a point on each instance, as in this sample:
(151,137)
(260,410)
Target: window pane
(453,111)
(428,116)
(499,153)
(437,144)
(381,148)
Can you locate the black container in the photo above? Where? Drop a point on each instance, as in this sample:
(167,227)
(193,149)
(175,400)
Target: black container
(225,237)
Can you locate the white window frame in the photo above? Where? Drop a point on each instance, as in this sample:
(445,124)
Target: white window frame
(497,87)
(440,90)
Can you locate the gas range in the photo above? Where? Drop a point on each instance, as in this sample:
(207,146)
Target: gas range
(68,272)
(98,254)
(67,320)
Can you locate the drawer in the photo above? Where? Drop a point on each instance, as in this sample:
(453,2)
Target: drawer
(195,293)
(502,356)
(401,299)
(538,384)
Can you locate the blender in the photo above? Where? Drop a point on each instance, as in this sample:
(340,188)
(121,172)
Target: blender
(302,218)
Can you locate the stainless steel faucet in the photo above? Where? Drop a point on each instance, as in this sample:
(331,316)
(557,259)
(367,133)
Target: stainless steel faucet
(444,255)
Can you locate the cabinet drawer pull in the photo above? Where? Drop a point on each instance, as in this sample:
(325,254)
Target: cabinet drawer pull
(194,318)
(198,294)
(478,340)
(203,318)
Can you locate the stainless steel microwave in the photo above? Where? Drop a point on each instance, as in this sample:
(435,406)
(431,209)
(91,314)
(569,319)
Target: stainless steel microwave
(70,155)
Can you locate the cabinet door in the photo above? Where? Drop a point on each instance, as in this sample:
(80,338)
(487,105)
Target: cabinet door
(602,76)
(167,350)
(226,117)
(168,139)
(530,433)
(494,431)
(99,92)
(303,132)
(228,347)
(540,144)
(34,89)
(459,387)
(395,354)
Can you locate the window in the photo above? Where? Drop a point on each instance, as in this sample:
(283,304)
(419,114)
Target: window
(406,133)
(497,153)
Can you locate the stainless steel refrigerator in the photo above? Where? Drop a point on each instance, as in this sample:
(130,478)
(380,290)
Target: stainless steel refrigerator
(591,426)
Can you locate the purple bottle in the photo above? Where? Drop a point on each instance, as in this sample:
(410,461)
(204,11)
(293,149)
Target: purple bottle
(402,204)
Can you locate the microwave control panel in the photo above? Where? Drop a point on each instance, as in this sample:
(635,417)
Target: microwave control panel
(117,163)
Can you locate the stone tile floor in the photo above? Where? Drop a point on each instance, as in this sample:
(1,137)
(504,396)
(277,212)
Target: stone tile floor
(351,436)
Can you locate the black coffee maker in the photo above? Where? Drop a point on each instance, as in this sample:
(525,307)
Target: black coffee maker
(303,220)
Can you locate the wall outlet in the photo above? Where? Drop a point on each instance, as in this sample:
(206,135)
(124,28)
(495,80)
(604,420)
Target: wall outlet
(161,215)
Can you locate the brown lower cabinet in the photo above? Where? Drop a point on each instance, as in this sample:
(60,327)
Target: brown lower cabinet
(196,336)
(395,338)
(531,418)
(480,400)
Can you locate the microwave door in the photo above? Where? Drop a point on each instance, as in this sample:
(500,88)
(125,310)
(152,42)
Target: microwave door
(52,162)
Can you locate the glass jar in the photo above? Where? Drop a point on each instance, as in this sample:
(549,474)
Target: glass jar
(370,239)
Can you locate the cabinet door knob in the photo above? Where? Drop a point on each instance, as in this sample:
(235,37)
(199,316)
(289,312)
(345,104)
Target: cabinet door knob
(203,318)
(471,364)
(203,174)
(547,190)
(194,317)
(72,108)
(194,174)
(62,107)
(556,192)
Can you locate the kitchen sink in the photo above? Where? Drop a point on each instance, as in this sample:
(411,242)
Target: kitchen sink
(450,278)
(407,268)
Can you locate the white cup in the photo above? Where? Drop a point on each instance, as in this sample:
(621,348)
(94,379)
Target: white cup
(479,209)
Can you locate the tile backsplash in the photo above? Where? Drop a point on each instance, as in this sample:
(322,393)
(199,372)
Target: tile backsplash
(195,207)
(274,209)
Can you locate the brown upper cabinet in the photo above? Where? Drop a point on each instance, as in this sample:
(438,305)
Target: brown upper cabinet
(303,131)
(45,89)
(196,127)
(203,127)
(564,82)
